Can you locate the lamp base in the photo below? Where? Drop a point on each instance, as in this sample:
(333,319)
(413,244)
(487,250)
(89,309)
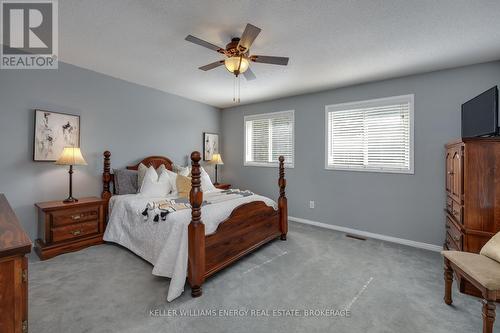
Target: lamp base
(70,199)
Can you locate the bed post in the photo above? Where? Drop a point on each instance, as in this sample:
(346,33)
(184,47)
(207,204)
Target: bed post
(196,230)
(282,201)
(106,179)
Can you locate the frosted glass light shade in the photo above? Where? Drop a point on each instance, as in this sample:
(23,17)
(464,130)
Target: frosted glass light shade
(232,64)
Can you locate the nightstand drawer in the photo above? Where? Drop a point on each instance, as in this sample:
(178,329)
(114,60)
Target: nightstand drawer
(74,231)
(65,217)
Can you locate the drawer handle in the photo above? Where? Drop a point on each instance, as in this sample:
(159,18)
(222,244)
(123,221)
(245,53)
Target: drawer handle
(456,239)
(76,217)
(451,173)
(75,232)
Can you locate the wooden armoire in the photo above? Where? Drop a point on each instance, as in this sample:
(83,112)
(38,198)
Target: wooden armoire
(472,212)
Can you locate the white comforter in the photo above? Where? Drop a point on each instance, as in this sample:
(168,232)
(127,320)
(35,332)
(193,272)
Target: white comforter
(165,243)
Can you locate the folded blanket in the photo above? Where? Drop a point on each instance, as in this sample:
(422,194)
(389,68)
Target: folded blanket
(161,208)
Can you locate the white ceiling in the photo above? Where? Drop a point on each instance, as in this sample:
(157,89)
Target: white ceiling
(331,43)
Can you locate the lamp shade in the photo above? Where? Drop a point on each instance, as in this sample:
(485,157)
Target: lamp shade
(71,156)
(216,159)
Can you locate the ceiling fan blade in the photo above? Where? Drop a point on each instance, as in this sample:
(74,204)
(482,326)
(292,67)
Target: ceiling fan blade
(212,65)
(251,32)
(270,60)
(249,75)
(203,43)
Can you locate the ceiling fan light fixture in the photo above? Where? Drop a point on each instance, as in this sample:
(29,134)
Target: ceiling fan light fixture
(237,64)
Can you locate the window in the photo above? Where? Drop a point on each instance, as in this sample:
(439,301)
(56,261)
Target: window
(267,136)
(374,135)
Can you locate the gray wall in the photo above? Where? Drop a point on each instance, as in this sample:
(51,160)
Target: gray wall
(130,120)
(405,206)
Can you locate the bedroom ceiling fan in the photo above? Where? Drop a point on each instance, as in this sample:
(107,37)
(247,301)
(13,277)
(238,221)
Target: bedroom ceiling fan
(238,57)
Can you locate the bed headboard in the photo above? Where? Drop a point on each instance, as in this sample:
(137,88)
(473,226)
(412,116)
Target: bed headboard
(155,161)
(108,178)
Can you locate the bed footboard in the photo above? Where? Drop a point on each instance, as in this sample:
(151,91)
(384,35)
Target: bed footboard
(248,227)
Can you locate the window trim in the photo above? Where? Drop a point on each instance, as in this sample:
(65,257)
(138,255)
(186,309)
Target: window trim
(266,116)
(367,103)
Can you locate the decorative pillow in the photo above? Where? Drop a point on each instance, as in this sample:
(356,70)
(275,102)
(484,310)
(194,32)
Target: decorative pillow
(183,185)
(183,171)
(492,248)
(125,181)
(141,171)
(154,186)
(206,182)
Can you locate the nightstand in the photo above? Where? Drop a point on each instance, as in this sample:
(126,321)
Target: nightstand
(223,186)
(68,227)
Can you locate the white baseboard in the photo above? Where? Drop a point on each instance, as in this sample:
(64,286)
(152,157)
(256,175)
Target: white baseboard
(420,245)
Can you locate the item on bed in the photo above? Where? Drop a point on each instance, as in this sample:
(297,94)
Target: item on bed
(206,182)
(125,181)
(162,208)
(154,185)
(183,186)
(181,170)
(71,156)
(217,160)
(229,229)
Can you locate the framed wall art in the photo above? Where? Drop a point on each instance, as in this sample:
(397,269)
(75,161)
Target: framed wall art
(210,145)
(53,132)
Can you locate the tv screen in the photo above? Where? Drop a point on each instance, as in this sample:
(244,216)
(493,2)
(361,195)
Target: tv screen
(479,115)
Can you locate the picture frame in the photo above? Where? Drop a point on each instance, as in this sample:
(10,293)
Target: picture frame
(210,145)
(52,132)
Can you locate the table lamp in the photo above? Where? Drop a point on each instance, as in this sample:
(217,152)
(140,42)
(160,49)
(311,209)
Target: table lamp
(217,160)
(71,156)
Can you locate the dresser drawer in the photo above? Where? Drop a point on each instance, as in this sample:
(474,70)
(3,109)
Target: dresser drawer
(450,244)
(74,231)
(72,216)
(449,204)
(453,233)
(456,212)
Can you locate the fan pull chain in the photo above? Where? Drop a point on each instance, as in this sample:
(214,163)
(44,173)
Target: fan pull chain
(236,89)
(239,89)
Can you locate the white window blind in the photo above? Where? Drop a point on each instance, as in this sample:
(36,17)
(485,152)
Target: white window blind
(267,136)
(375,135)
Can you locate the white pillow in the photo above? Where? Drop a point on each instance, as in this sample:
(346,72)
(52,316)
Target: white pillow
(184,171)
(141,171)
(206,182)
(154,186)
(173,181)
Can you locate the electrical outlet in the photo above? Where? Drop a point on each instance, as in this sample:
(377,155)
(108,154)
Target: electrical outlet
(311,204)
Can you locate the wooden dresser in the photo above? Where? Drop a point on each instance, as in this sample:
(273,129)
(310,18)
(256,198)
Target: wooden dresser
(67,227)
(14,245)
(472,211)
